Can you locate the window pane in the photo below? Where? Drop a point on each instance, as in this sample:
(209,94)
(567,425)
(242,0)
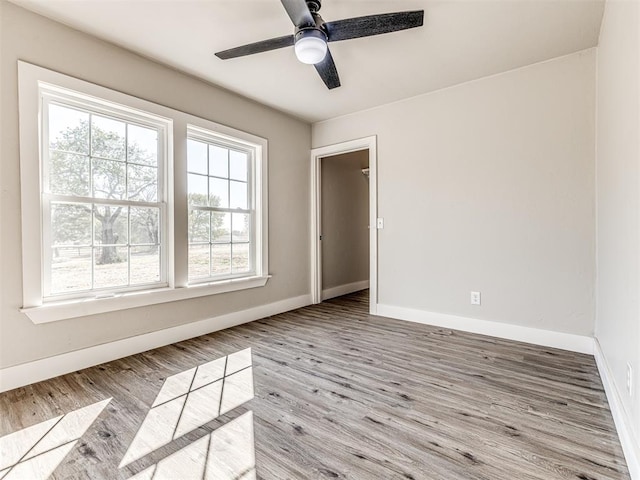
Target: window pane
(70,224)
(145,265)
(109,179)
(196,157)
(221,227)
(198,226)
(68,129)
(142,145)
(238,165)
(238,195)
(110,224)
(198,192)
(106,176)
(198,261)
(145,225)
(220,259)
(218,161)
(70,269)
(240,258)
(241,227)
(111,267)
(69,174)
(143,183)
(107,138)
(218,193)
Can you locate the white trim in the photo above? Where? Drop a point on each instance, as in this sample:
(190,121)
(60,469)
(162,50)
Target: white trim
(344,289)
(622,420)
(51,312)
(315,225)
(38,370)
(57,96)
(536,336)
(34,84)
(367,143)
(256,201)
(29,77)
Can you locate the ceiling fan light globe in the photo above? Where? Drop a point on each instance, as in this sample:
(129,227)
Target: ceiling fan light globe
(311,50)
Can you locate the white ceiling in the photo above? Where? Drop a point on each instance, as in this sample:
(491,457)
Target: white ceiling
(460,41)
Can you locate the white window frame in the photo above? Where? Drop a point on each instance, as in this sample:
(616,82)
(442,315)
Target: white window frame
(50,94)
(175,285)
(254,200)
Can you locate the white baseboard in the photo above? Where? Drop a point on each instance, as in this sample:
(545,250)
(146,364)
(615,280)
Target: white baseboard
(622,419)
(344,289)
(38,370)
(546,338)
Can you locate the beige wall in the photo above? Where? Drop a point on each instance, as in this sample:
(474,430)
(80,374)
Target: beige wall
(32,38)
(488,186)
(618,200)
(345,219)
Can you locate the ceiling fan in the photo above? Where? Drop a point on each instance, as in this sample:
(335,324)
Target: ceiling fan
(312,34)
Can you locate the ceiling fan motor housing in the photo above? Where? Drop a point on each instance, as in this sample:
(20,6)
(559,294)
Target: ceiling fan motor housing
(314,5)
(310,32)
(311,40)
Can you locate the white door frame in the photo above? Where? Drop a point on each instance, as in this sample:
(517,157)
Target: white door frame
(316,210)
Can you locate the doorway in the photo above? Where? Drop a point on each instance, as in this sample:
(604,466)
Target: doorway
(368,145)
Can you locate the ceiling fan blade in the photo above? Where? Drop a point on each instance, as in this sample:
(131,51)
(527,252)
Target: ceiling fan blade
(257,47)
(298,13)
(373,25)
(328,72)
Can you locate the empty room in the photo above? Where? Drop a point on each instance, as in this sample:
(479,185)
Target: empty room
(305,239)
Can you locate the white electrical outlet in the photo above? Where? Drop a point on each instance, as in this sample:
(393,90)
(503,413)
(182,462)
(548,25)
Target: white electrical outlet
(475,298)
(630,379)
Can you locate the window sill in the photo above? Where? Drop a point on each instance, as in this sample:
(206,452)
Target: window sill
(52,312)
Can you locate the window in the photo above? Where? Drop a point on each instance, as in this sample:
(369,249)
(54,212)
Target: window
(128,203)
(103,197)
(221,210)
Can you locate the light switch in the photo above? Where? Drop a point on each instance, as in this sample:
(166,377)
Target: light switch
(380,223)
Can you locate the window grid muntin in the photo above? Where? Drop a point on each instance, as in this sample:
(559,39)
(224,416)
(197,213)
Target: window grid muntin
(33,81)
(94,247)
(108,110)
(229,144)
(126,119)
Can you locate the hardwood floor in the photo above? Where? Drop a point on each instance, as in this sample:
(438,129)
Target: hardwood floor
(337,393)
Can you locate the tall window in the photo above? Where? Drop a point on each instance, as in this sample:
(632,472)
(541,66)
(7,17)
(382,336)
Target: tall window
(103,198)
(108,220)
(221,208)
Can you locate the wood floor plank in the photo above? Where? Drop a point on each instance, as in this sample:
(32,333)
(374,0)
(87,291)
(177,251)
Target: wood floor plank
(339,393)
